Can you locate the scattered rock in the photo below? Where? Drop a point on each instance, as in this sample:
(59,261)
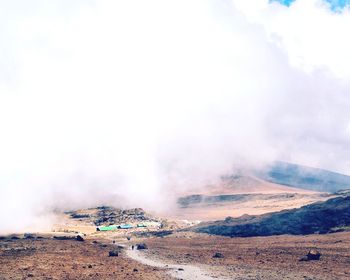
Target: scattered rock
(28,236)
(89,266)
(180,269)
(63,237)
(312,255)
(135,270)
(79,238)
(141,246)
(79,216)
(113,253)
(218,255)
(94,242)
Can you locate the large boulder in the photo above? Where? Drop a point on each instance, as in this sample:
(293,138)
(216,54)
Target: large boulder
(141,246)
(312,255)
(218,255)
(113,253)
(79,238)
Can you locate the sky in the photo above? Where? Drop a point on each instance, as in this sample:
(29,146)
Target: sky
(334,4)
(123,103)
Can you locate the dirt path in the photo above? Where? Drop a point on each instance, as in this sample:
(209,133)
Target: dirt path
(185,272)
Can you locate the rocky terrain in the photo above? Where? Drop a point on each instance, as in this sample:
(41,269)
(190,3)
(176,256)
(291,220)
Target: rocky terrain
(181,255)
(107,215)
(48,258)
(268,258)
(183,249)
(178,254)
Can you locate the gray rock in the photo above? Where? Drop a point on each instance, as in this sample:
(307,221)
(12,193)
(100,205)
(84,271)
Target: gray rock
(113,253)
(312,255)
(141,246)
(79,238)
(218,255)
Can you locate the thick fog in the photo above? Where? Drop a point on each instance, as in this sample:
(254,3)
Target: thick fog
(125,102)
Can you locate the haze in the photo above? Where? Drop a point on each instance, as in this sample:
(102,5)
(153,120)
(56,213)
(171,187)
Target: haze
(121,102)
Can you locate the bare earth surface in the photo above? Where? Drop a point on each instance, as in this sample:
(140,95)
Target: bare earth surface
(177,256)
(275,257)
(68,259)
(185,272)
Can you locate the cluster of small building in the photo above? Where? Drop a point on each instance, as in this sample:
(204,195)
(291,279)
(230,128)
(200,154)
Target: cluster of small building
(129,226)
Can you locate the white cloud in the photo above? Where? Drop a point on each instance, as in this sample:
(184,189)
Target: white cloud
(114,101)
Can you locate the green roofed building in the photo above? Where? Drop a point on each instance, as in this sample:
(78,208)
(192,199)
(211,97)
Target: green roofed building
(107,228)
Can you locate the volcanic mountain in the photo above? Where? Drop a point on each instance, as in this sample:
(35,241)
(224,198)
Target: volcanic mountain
(240,194)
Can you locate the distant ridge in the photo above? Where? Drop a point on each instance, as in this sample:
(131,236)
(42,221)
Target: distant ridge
(320,217)
(304,177)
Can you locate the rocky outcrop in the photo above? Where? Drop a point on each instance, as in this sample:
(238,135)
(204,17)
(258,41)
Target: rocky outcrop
(106,215)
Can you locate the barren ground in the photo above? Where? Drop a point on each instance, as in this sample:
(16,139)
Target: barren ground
(68,259)
(275,257)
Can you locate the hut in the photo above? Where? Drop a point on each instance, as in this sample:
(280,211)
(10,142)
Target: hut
(125,226)
(141,225)
(107,228)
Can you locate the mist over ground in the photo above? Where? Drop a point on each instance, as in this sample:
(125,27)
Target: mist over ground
(123,102)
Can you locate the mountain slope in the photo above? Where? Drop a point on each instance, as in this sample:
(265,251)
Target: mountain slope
(318,217)
(241,194)
(304,177)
